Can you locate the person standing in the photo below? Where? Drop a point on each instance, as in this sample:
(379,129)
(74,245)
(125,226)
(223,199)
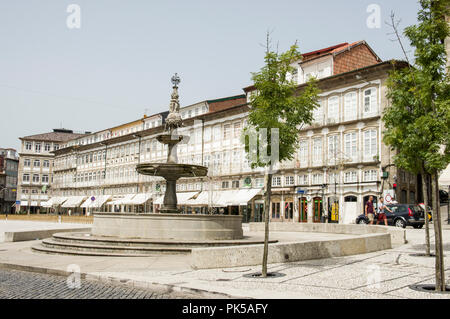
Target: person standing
(369,212)
(381,213)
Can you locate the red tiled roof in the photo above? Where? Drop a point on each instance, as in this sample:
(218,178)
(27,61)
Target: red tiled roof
(53,137)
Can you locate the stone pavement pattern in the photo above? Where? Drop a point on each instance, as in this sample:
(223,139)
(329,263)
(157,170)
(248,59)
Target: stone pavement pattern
(16,284)
(386,274)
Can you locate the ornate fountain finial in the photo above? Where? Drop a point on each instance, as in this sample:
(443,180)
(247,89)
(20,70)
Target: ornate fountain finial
(175,80)
(174,120)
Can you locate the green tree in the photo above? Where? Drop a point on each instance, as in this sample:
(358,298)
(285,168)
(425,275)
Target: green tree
(417,120)
(279,107)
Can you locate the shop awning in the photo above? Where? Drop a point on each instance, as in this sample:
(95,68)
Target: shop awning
(140,199)
(96,201)
(54,201)
(122,201)
(238,197)
(219,198)
(73,201)
(24,203)
(182,198)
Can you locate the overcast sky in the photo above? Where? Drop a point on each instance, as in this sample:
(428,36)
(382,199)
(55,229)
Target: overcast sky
(119,62)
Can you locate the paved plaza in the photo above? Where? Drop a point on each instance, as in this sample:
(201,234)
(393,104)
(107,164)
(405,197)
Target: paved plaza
(384,274)
(16,284)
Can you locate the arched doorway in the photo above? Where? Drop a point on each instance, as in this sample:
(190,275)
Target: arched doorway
(317,209)
(303,210)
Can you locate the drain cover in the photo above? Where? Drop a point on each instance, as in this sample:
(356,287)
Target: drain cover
(430,288)
(269,275)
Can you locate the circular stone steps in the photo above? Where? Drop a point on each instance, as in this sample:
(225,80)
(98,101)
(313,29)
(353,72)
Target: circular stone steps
(87,245)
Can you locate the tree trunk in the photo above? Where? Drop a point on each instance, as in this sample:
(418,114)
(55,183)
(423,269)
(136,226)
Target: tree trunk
(425,201)
(266,222)
(440,277)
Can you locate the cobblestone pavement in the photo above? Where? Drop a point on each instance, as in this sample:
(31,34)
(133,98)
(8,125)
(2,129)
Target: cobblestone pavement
(15,284)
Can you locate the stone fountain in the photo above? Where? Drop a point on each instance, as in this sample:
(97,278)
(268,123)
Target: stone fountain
(171,171)
(169,223)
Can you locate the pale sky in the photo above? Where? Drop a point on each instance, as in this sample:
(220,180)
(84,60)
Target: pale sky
(119,63)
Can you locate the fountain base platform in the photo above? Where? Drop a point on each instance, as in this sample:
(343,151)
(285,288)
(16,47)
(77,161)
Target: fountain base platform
(168,226)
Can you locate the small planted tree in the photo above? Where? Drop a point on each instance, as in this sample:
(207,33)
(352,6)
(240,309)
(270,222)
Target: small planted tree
(418,119)
(278,110)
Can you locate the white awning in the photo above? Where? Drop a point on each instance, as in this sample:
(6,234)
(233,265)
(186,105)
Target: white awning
(219,198)
(34,203)
(73,201)
(95,201)
(238,197)
(444,178)
(122,201)
(140,199)
(24,203)
(54,201)
(204,199)
(181,198)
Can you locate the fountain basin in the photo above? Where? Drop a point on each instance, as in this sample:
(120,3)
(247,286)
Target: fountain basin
(168,226)
(172,170)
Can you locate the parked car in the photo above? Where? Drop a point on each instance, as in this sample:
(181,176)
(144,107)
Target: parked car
(402,215)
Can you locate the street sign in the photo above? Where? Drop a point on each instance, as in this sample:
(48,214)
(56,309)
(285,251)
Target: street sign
(388,196)
(301,191)
(17,202)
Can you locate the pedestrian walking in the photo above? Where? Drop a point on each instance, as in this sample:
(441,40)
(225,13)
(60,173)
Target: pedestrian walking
(381,213)
(368,210)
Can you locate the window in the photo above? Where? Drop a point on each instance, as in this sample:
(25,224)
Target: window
(28,146)
(370,175)
(370,144)
(332,178)
(370,100)
(303,179)
(225,184)
(237,129)
(207,134)
(47,147)
(350,145)
(46,164)
(45,179)
(333,109)
(206,160)
(226,131)
(317,179)
(235,184)
(236,157)
(37,147)
(26,178)
(276,181)
(350,109)
(318,113)
(303,151)
(333,147)
(26,162)
(35,178)
(259,182)
(216,133)
(37,163)
(350,177)
(289,180)
(317,150)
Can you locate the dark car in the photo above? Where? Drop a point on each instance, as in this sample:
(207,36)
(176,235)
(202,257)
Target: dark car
(402,215)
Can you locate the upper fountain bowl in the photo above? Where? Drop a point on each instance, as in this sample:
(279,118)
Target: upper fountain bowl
(172,170)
